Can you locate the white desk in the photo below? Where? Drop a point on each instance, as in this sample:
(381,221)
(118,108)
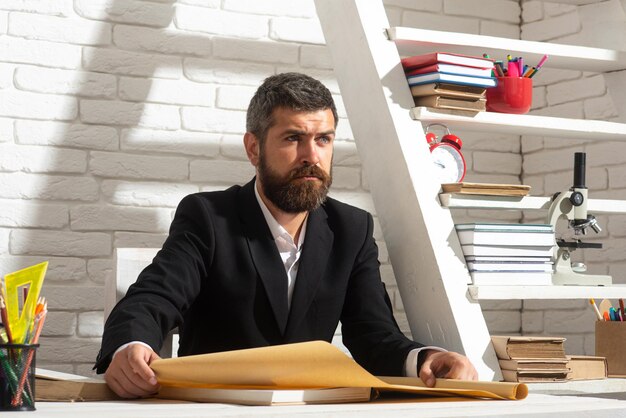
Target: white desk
(584,405)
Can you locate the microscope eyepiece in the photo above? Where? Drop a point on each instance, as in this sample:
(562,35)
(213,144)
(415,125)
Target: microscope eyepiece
(580,166)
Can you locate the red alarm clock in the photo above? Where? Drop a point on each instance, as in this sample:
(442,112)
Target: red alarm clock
(446,155)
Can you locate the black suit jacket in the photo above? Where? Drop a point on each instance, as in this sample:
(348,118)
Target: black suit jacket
(220,279)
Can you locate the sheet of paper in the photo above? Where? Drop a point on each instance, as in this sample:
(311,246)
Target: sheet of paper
(315,364)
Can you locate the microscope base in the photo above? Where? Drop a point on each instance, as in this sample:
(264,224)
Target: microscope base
(577,279)
(565,275)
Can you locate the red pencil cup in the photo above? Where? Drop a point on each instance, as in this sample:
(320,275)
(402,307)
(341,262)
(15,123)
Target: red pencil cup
(17,377)
(511,95)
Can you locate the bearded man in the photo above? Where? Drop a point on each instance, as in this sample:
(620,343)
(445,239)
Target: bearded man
(273,262)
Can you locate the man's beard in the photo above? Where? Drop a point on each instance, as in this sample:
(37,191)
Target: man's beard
(291,195)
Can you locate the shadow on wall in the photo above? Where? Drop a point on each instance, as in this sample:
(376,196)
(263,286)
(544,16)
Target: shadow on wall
(126,103)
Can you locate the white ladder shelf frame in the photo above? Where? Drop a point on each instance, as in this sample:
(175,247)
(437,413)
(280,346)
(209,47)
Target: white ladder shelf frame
(423,246)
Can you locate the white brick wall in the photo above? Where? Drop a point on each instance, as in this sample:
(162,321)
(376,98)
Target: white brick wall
(53,81)
(75,135)
(49,54)
(224,23)
(128,11)
(59,29)
(111,111)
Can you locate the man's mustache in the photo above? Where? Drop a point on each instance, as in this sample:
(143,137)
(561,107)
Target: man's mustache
(309,171)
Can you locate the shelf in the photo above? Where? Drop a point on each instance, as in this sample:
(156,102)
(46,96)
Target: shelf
(463,201)
(411,41)
(547,292)
(523,124)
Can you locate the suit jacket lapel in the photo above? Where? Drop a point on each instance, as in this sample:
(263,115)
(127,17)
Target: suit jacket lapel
(264,254)
(317,246)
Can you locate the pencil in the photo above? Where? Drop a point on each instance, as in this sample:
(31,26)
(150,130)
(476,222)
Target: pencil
(596,310)
(39,320)
(5,319)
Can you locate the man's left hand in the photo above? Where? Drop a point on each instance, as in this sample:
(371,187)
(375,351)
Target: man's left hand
(446,364)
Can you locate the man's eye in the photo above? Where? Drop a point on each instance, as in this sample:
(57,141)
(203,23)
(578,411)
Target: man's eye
(324,139)
(293,138)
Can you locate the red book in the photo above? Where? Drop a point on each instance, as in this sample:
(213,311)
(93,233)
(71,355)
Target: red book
(411,63)
(451,69)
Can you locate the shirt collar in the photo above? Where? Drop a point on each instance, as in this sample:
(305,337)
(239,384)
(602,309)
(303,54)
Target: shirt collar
(277,229)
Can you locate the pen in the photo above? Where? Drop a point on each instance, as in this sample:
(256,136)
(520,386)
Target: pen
(606,316)
(595,309)
(5,319)
(541,61)
(613,314)
(513,69)
(498,67)
(621,308)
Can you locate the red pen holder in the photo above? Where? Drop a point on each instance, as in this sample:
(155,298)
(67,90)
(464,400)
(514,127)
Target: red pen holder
(511,95)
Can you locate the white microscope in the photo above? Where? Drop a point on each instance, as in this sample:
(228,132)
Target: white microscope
(572,205)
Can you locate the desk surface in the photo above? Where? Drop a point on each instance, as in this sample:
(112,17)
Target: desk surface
(583,405)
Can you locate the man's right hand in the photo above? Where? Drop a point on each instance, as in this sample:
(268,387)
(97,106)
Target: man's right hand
(129,374)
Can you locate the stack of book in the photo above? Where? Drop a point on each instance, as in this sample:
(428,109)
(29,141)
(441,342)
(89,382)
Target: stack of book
(508,254)
(449,81)
(531,359)
(543,359)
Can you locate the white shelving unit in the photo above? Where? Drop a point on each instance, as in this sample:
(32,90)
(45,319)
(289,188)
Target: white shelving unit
(411,41)
(523,203)
(524,124)
(439,299)
(547,292)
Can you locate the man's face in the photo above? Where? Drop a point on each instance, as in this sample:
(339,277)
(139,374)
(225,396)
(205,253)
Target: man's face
(294,163)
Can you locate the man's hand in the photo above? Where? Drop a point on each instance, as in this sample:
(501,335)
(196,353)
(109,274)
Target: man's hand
(446,364)
(129,374)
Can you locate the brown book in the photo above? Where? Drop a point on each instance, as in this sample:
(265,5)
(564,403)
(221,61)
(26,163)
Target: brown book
(516,347)
(531,364)
(490,189)
(587,367)
(441,102)
(534,376)
(51,386)
(449,90)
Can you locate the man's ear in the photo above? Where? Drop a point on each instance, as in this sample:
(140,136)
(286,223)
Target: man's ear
(252,145)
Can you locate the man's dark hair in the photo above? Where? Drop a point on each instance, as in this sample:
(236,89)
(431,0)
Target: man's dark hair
(293,91)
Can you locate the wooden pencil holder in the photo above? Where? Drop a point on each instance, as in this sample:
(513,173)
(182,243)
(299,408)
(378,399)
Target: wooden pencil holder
(610,339)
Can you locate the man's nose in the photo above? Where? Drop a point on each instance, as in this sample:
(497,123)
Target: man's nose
(309,154)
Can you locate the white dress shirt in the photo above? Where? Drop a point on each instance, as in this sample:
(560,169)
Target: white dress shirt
(289,251)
